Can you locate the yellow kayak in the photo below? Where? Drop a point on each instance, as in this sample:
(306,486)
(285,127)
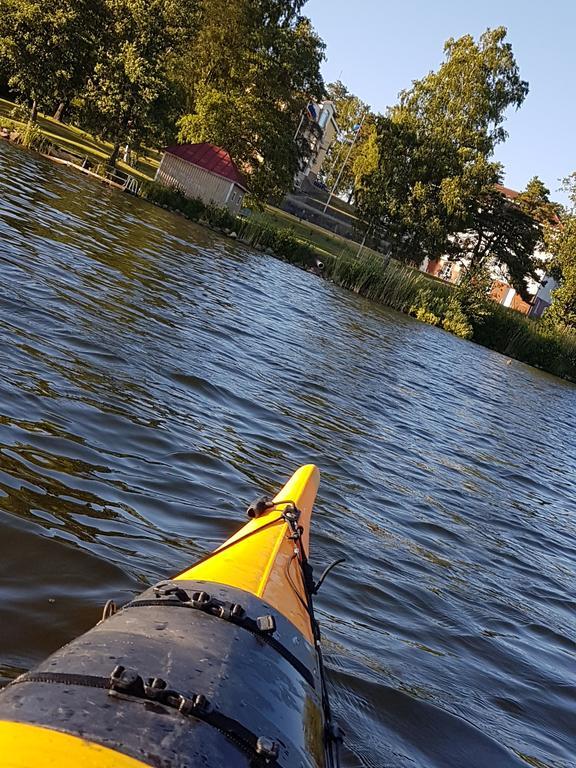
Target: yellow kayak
(218,667)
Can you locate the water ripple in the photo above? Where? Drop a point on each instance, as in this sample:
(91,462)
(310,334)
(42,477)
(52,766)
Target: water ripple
(156,377)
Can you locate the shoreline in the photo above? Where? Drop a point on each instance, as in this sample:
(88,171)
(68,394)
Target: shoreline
(384,281)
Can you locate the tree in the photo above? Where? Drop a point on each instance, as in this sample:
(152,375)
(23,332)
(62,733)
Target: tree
(416,193)
(561,242)
(248,81)
(470,93)
(506,232)
(47,47)
(130,89)
(365,158)
(535,200)
(435,147)
(502,233)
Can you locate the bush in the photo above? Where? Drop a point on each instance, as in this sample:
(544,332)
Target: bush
(429,304)
(218,217)
(170,197)
(436,308)
(473,294)
(529,340)
(286,246)
(193,208)
(425,316)
(456,321)
(283,243)
(31,137)
(20,113)
(457,310)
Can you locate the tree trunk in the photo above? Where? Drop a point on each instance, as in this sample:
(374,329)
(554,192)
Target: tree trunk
(34,111)
(114,155)
(60,111)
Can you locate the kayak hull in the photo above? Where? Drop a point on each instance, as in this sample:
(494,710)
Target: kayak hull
(195,653)
(260,560)
(217,667)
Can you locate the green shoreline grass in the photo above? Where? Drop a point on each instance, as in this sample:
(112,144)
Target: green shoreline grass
(501,329)
(78,142)
(369,274)
(329,243)
(395,285)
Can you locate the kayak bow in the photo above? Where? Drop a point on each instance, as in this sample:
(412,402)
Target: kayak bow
(218,667)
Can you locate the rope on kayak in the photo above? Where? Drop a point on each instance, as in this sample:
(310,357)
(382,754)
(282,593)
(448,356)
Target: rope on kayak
(230,544)
(325,573)
(333,735)
(128,685)
(263,505)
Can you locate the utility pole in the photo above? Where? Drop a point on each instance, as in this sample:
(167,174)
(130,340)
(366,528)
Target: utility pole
(339,152)
(335,186)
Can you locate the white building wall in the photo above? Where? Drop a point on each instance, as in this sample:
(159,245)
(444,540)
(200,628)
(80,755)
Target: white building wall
(507,300)
(320,144)
(194,181)
(545,291)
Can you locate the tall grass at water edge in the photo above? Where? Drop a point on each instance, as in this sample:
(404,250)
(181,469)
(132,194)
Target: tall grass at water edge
(395,285)
(504,330)
(384,280)
(529,340)
(277,241)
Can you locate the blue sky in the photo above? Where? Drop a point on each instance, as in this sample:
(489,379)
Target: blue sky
(377,48)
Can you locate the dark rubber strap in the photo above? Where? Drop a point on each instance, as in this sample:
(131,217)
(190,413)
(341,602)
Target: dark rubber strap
(233,730)
(245,623)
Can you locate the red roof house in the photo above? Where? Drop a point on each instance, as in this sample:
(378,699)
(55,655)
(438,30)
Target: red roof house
(511,194)
(205,171)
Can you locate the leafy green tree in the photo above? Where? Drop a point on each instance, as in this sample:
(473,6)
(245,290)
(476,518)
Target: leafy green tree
(561,242)
(248,76)
(535,200)
(130,89)
(435,147)
(47,47)
(502,234)
(506,232)
(365,159)
(420,191)
(470,92)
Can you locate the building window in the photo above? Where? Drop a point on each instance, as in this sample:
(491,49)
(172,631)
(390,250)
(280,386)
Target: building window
(323,119)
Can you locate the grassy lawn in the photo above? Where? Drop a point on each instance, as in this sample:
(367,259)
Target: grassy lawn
(320,238)
(78,142)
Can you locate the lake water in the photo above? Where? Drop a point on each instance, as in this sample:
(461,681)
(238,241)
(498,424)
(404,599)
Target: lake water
(156,378)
